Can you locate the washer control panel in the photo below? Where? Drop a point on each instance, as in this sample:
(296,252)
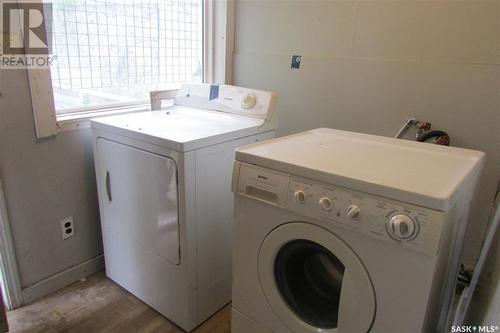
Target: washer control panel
(407,225)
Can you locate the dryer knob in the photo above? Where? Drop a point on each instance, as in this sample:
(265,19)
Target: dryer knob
(401,227)
(353,212)
(249,101)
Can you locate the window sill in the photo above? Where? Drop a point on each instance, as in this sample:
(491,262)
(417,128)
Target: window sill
(79,120)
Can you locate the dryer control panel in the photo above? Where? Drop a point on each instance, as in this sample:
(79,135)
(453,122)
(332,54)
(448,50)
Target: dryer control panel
(229,99)
(409,226)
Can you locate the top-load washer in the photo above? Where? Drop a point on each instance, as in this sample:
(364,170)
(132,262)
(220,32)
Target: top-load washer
(164,184)
(345,232)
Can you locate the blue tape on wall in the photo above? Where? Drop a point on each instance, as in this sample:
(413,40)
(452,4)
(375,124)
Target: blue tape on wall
(214,92)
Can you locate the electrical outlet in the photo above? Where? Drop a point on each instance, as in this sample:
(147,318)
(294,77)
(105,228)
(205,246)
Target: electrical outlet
(296,60)
(67,227)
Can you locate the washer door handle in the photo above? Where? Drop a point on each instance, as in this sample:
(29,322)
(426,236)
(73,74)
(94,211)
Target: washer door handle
(108,186)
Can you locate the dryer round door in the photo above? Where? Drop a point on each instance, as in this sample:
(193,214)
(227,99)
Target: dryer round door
(314,281)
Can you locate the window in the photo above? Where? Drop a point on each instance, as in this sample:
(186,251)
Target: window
(111,53)
(103,68)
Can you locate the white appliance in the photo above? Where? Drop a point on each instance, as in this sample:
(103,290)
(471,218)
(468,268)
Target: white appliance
(344,232)
(164,183)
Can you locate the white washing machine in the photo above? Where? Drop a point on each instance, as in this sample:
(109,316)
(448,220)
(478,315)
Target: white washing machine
(344,232)
(164,183)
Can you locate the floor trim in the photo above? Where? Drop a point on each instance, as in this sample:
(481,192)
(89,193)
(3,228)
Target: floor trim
(63,279)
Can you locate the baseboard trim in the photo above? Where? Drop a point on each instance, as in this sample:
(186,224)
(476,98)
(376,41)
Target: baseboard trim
(62,279)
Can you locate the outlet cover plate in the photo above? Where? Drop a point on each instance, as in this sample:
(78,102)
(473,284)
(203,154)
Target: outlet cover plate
(67,227)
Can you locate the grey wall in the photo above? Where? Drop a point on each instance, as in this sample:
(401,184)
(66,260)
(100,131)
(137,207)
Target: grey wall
(368,65)
(45,182)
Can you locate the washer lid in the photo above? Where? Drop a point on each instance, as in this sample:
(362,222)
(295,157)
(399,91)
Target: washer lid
(314,282)
(423,174)
(181,128)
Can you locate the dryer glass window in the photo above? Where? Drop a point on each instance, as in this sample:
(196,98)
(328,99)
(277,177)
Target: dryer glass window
(309,278)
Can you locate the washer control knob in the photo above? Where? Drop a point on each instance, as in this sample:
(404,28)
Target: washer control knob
(300,196)
(326,204)
(249,101)
(353,212)
(401,227)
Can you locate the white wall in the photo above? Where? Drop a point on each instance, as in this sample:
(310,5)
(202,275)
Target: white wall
(368,65)
(44,182)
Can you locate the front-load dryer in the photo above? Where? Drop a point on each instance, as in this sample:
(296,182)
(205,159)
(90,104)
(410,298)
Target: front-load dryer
(164,185)
(344,232)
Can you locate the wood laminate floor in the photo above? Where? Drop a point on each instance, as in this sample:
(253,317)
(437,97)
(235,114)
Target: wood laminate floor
(101,306)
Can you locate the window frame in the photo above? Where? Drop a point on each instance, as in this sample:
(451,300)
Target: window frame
(218,47)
